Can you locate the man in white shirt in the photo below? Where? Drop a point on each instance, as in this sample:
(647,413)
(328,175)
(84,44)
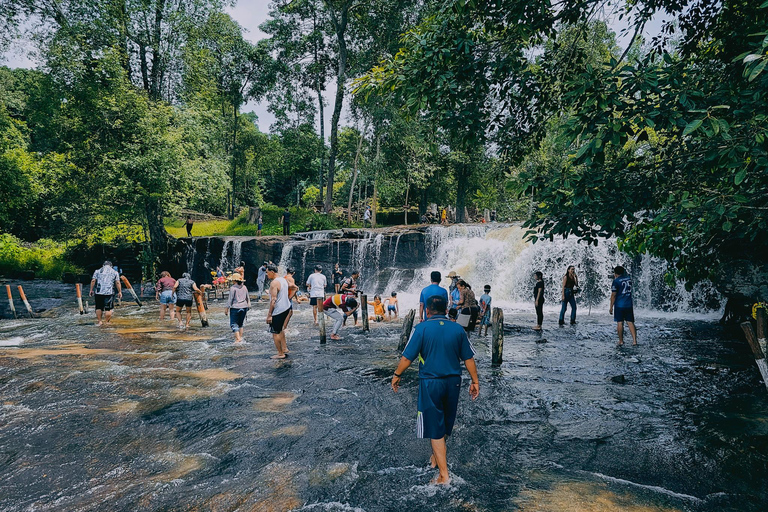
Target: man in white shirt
(316,284)
(106,279)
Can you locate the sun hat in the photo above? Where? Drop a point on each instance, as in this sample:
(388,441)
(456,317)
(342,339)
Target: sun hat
(453,274)
(235,277)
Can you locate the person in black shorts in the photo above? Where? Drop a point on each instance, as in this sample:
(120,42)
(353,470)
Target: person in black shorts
(621,304)
(185,289)
(337,275)
(106,280)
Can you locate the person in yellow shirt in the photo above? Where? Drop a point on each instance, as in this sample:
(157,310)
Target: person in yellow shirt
(378,309)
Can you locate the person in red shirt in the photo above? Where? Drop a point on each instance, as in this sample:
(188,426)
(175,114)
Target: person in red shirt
(164,294)
(338,307)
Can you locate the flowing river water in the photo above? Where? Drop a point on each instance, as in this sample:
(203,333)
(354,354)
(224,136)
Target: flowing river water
(142,416)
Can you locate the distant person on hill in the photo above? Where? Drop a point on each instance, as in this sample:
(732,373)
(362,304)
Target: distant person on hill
(392,307)
(185,289)
(164,294)
(188,225)
(433,289)
(338,274)
(338,307)
(367,217)
(443,217)
(485,309)
(238,304)
(621,304)
(538,300)
(279,309)
(568,294)
(285,220)
(259,225)
(440,346)
(316,284)
(106,280)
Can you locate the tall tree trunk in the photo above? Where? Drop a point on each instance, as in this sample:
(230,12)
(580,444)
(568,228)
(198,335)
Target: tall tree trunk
(322,140)
(407,189)
(340,26)
(235,111)
(354,172)
(144,67)
(156,75)
(125,39)
(376,173)
(461,191)
(158,236)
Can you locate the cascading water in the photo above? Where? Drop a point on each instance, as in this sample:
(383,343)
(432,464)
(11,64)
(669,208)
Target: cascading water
(224,251)
(191,251)
(499,256)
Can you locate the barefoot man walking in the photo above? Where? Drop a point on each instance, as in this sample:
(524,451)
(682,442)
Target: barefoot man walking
(440,345)
(279,308)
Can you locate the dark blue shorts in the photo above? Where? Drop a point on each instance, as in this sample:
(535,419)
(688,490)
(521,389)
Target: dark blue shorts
(438,401)
(237,318)
(624,315)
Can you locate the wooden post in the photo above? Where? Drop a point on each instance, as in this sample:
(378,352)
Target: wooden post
(497,323)
(762,326)
(407,326)
(26,303)
(79,291)
(201,308)
(364,307)
(321,320)
(10,300)
(749,332)
(125,282)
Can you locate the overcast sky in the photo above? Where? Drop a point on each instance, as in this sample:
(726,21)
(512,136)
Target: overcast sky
(252,14)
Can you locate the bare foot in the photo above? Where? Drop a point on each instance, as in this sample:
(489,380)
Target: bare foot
(441,480)
(537,328)
(619,343)
(432,461)
(278,356)
(335,337)
(99,324)
(634,344)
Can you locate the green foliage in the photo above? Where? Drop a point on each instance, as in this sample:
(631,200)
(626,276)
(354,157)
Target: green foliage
(46,258)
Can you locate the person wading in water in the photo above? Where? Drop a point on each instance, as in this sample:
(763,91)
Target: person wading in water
(568,295)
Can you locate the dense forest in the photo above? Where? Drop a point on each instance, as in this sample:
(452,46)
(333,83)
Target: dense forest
(135,113)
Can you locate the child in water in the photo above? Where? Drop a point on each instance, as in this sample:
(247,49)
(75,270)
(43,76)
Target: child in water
(378,309)
(392,306)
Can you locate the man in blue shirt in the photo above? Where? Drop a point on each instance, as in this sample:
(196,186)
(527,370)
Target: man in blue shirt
(440,345)
(621,304)
(429,291)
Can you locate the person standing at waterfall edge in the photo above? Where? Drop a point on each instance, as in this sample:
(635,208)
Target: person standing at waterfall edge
(621,304)
(279,308)
(338,274)
(568,295)
(285,220)
(238,304)
(260,278)
(434,289)
(440,346)
(538,300)
(316,286)
(106,280)
(367,217)
(188,225)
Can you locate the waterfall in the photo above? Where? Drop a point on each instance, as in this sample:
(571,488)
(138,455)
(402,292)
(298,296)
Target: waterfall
(191,253)
(223,258)
(237,249)
(285,256)
(500,257)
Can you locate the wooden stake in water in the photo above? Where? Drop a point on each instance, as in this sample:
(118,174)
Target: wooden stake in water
(321,321)
(407,326)
(762,326)
(364,308)
(749,332)
(201,308)
(79,291)
(10,300)
(497,324)
(125,282)
(26,302)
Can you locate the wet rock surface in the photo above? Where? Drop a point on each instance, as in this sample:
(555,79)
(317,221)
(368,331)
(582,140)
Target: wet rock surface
(143,416)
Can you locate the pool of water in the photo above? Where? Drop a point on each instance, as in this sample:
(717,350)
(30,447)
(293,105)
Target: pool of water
(143,416)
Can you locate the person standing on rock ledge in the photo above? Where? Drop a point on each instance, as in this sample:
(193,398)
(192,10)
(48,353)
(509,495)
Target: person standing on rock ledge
(106,280)
(440,345)
(285,220)
(188,225)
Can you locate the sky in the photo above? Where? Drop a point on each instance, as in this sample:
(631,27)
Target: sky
(251,14)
